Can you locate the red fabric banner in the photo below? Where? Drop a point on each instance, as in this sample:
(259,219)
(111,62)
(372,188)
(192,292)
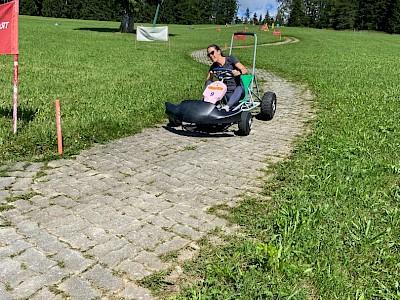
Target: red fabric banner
(243,37)
(276,32)
(9,27)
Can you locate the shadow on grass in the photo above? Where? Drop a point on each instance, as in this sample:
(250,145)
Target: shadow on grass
(99,29)
(112,30)
(26,115)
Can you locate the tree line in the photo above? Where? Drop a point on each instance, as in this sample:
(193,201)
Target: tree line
(170,12)
(102,10)
(380,15)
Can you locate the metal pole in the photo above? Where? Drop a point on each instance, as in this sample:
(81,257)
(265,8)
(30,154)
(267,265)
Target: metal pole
(155,17)
(15,50)
(15,95)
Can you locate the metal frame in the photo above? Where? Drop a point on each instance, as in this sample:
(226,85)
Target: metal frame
(249,103)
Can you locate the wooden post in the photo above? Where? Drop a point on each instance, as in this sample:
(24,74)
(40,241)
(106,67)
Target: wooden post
(58,125)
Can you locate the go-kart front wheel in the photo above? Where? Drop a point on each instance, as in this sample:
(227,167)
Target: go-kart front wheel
(245,123)
(268,106)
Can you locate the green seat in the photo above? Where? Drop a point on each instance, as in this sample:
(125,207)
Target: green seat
(247,79)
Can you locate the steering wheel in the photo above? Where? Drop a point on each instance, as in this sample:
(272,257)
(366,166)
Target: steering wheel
(222,73)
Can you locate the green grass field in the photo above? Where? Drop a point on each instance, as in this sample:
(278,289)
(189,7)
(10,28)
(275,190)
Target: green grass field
(331,230)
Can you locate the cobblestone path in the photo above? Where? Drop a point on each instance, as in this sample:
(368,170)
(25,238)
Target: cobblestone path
(89,227)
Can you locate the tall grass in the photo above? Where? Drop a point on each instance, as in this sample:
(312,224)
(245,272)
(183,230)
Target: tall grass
(332,229)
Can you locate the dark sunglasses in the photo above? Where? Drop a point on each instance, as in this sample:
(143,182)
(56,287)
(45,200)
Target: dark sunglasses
(211,53)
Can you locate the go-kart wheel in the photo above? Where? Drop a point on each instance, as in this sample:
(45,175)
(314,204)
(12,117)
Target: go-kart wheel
(174,122)
(245,123)
(268,106)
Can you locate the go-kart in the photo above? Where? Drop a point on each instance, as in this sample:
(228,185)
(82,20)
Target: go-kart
(209,111)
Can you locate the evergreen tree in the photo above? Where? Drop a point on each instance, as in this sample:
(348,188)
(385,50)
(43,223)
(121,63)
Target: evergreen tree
(380,15)
(296,14)
(254,20)
(365,16)
(201,10)
(345,14)
(393,20)
(38,4)
(266,18)
(77,9)
(168,12)
(226,11)
(383,13)
(312,12)
(184,12)
(284,10)
(28,7)
(52,8)
(146,12)
(247,15)
(325,14)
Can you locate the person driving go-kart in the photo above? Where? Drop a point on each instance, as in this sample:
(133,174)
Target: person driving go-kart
(244,96)
(235,89)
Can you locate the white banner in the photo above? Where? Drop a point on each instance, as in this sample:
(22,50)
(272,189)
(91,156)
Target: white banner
(150,34)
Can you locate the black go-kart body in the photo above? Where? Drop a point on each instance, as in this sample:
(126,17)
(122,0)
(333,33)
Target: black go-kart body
(200,113)
(208,116)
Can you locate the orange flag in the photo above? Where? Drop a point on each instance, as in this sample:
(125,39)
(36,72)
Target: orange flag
(9,27)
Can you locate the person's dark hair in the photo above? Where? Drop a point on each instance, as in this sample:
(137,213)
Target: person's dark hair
(216,47)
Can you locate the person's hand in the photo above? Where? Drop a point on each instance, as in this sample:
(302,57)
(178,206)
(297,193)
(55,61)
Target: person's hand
(236,73)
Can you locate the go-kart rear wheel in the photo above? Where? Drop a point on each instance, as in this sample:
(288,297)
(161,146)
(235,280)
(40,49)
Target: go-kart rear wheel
(245,123)
(268,106)
(174,122)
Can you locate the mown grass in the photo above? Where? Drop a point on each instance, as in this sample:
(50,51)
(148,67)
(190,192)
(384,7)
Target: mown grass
(331,230)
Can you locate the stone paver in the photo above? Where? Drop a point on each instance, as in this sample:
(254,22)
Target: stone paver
(89,227)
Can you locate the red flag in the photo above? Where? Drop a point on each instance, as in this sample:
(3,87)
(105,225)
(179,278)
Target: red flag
(9,27)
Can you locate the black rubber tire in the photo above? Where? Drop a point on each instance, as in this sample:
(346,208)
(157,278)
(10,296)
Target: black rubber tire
(174,122)
(268,106)
(245,123)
